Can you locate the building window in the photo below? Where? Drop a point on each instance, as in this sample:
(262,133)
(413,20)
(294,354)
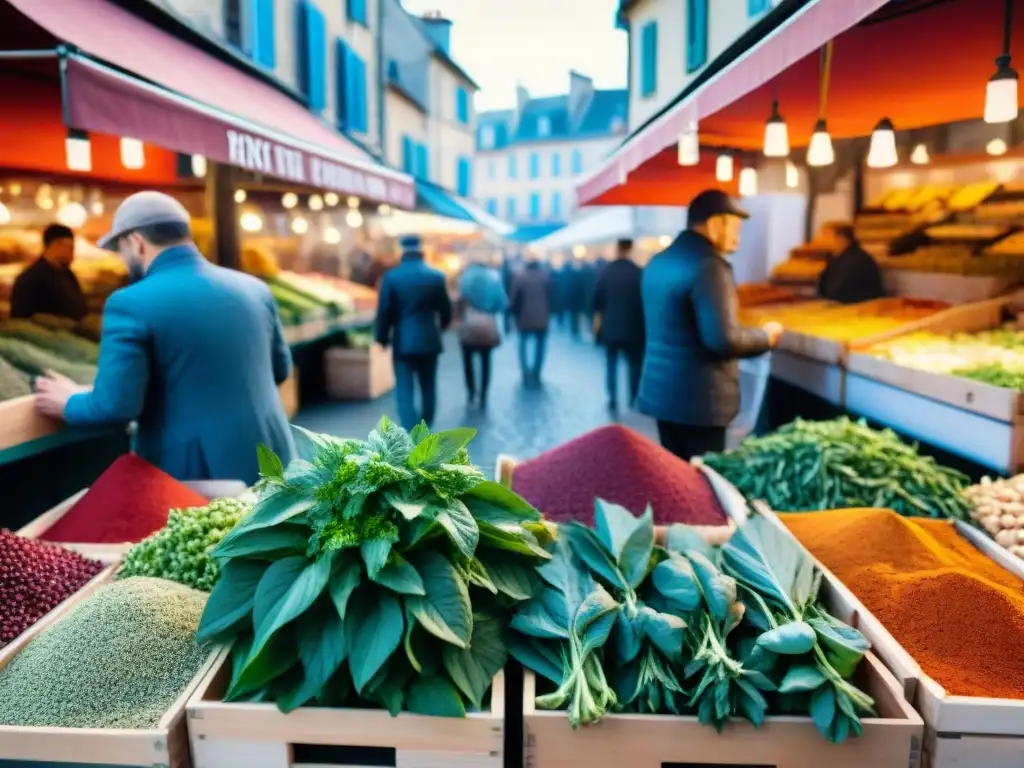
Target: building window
(556,165)
(510,209)
(491,206)
(543,126)
(534,206)
(487,137)
(249,27)
(649,59)
(462,105)
(463,176)
(696,34)
(513,166)
(577,162)
(757,7)
(408,155)
(534,165)
(311,33)
(556,205)
(422,162)
(492,169)
(357,11)
(351,93)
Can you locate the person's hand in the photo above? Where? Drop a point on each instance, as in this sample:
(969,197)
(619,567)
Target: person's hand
(774,331)
(53,393)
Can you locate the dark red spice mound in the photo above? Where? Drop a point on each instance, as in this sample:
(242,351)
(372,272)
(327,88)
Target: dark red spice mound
(127,503)
(618,465)
(36,577)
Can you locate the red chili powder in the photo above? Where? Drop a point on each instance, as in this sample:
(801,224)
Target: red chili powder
(127,503)
(618,465)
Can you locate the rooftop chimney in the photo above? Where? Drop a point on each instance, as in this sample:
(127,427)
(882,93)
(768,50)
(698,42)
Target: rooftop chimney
(440,30)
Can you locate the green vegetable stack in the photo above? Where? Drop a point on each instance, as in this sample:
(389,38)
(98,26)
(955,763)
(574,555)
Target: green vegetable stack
(378,571)
(688,629)
(13,382)
(181,550)
(62,343)
(841,464)
(36,361)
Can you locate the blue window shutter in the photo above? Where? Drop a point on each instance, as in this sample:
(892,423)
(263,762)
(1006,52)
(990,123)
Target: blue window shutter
(556,205)
(513,168)
(463,173)
(357,11)
(492,206)
(510,208)
(351,102)
(408,155)
(261,32)
(422,162)
(556,165)
(360,105)
(462,105)
(757,7)
(312,39)
(696,34)
(649,59)
(534,165)
(577,161)
(534,206)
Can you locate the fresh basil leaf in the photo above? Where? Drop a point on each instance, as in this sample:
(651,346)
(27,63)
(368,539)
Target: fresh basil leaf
(493,503)
(282,538)
(511,539)
(675,580)
(410,508)
(444,610)
(373,630)
(474,573)
(629,636)
(375,555)
(232,599)
(345,576)
(588,548)
(535,619)
(434,696)
(256,670)
(635,557)
(840,729)
(823,708)
(270,465)
(461,526)
(719,590)
(594,620)
(399,575)
(536,655)
(683,539)
(287,589)
(269,511)
(322,647)
(294,690)
(802,677)
(309,445)
(440,448)
(665,631)
(472,669)
(509,576)
(613,525)
(419,433)
(391,442)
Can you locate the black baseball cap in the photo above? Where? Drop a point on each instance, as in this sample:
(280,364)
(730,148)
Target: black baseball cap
(712,202)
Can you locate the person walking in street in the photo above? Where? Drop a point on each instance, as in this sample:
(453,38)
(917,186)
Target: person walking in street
(852,275)
(48,286)
(413,311)
(690,381)
(531,308)
(619,321)
(192,352)
(481,299)
(579,292)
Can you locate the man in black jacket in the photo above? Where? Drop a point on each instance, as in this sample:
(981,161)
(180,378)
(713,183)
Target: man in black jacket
(619,321)
(48,286)
(851,275)
(690,380)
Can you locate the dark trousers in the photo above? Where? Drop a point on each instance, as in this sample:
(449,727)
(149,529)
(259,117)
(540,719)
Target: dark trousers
(687,441)
(634,362)
(409,370)
(531,371)
(468,355)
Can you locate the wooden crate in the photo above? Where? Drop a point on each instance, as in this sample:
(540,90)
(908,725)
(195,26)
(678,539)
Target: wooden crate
(939,286)
(20,422)
(358,374)
(892,740)
(225,735)
(164,746)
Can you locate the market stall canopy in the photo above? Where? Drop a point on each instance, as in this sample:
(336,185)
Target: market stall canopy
(598,226)
(437,200)
(530,233)
(660,184)
(187,100)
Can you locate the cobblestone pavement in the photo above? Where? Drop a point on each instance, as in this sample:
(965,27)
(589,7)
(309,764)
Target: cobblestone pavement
(519,421)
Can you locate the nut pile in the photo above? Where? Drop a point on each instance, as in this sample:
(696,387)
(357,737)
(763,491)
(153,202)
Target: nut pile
(998,507)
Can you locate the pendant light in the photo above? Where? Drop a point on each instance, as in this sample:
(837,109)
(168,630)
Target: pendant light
(792,175)
(748,182)
(251,221)
(300,226)
(241,196)
(882,152)
(996,147)
(199,166)
(724,167)
(1001,92)
(354,218)
(316,203)
(78,151)
(689,146)
(819,151)
(332,236)
(352,202)
(289,200)
(776,134)
(920,155)
(133,154)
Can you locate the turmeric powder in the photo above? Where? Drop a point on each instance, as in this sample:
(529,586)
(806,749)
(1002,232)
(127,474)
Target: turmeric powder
(955,611)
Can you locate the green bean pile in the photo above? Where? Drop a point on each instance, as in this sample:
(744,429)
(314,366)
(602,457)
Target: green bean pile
(818,465)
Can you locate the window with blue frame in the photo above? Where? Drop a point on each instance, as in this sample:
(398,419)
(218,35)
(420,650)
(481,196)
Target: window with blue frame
(491,206)
(577,162)
(422,162)
(757,7)
(534,206)
(510,209)
(513,166)
(311,33)
(649,59)
(534,165)
(350,83)
(408,155)
(556,165)
(249,27)
(556,205)
(357,11)
(463,176)
(462,105)
(696,34)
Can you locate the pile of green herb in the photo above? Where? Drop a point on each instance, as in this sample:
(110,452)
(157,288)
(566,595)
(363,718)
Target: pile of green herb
(623,624)
(841,464)
(996,375)
(380,571)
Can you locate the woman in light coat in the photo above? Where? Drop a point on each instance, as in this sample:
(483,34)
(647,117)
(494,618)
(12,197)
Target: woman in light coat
(482,299)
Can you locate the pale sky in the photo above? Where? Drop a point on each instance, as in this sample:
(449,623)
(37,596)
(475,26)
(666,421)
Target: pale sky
(535,42)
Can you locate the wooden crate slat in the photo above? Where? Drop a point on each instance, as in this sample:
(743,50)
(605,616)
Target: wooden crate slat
(20,422)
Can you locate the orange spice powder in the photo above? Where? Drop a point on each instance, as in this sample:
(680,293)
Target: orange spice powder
(955,611)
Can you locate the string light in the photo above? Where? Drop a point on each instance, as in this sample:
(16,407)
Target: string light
(72,215)
(920,155)
(1001,92)
(724,167)
(689,146)
(289,200)
(199,166)
(996,147)
(241,196)
(748,182)
(300,226)
(332,236)
(354,218)
(316,203)
(251,222)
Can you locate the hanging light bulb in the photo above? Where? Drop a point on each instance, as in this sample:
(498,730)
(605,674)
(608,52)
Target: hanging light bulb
(819,151)
(289,200)
(792,175)
(748,182)
(384,209)
(72,215)
(251,222)
(199,166)
(15,189)
(316,203)
(882,153)
(78,151)
(354,218)
(689,146)
(723,167)
(1001,92)
(996,147)
(920,155)
(133,154)
(776,134)
(5,215)
(353,201)
(331,199)
(332,236)
(241,196)
(300,226)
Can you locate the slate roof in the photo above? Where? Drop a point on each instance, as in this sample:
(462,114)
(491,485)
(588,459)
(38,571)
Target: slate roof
(604,115)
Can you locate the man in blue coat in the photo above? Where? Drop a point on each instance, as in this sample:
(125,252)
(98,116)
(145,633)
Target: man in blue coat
(413,311)
(691,382)
(191,351)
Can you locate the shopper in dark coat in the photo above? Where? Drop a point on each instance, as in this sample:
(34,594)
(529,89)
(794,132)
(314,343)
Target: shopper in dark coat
(531,307)
(852,275)
(619,320)
(580,287)
(412,312)
(48,286)
(690,380)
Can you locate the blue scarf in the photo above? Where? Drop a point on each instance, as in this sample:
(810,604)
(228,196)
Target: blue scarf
(481,287)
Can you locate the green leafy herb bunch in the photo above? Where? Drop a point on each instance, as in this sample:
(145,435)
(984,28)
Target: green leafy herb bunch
(374,572)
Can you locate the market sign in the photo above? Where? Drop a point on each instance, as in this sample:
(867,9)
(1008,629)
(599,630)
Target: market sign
(100,99)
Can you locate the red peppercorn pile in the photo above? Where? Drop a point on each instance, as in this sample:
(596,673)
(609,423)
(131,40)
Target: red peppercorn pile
(618,465)
(128,502)
(36,577)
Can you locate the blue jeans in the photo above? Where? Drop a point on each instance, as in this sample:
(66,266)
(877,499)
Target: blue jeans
(540,345)
(407,371)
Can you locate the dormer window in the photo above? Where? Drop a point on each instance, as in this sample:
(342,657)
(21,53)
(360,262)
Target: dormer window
(543,126)
(487,137)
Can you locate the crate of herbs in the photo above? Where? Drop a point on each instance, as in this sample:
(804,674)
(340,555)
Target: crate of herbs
(365,597)
(691,654)
(106,683)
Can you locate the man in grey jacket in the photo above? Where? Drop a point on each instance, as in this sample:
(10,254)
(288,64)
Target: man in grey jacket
(530,303)
(690,381)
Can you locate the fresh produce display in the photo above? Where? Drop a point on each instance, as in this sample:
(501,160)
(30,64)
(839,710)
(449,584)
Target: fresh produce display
(394,554)
(35,578)
(119,659)
(63,343)
(320,290)
(616,464)
(35,361)
(13,381)
(359,338)
(998,507)
(993,357)
(955,611)
(755,294)
(816,465)
(688,629)
(293,307)
(127,503)
(181,551)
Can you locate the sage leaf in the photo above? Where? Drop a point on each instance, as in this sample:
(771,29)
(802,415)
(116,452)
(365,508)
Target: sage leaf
(493,503)
(373,630)
(682,539)
(613,525)
(462,528)
(509,576)
(823,708)
(801,678)
(675,580)
(288,588)
(719,590)
(511,540)
(665,631)
(536,655)
(588,548)
(270,465)
(635,558)
(595,619)
(344,579)
(261,542)
(629,636)
(399,575)
(281,505)
(409,508)
(375,555)
(472,669)
(535,619)
(444,610)
(793,639)
(434,696)
(232,599)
